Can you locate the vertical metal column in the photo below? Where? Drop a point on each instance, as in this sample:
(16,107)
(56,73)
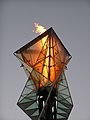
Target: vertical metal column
(50,109)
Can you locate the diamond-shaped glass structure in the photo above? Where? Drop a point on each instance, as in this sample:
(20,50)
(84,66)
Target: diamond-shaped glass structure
(44,60)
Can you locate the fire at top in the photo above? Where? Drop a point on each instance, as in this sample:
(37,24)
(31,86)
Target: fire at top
(45,56)
(44,60)
(39,29)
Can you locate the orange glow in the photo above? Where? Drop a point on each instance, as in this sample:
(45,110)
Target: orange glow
(40,29)
(44,58)
(48,62)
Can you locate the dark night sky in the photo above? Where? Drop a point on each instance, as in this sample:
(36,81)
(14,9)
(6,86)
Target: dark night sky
(71,22)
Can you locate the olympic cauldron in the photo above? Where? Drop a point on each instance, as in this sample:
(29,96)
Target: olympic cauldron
(46,95)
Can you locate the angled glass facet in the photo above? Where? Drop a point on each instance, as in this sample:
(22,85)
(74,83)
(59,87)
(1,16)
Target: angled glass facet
(46,55)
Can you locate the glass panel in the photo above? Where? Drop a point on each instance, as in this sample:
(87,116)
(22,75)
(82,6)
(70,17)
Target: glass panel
(25,100)
(19,56)
(63,56)
(33,106)
(61,48)
(32,97)
(59,97)
(59,116)
(32,94)
(31,53)
(61,87)
(61,105)
(27,72)
(60,111)
(69,100)
(39,67)
(35,75)
(20,98)
(26,91)
(64,92)
(35,113)
(64,83)
(26,55)
(27,67)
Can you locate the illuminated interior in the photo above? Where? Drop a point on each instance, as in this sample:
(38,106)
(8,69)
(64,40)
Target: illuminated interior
(44,60)
(47,57)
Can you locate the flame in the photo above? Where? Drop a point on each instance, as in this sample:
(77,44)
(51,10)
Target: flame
(40,29)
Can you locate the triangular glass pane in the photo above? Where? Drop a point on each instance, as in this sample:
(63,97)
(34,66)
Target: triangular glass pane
(60,117)
(25,100)
(56,52)
(39,66)
(65,92)
(62,76)
(60,111)
(19,56)
(33,106)
(59,97)
(34,117)
(32,94)
(69,100)
(64,83)
(30,87)
(33,98)
(35,113)
(21,97)
(61,88)
(38,79)
(57,59)
(30,112)
(33,52)
(26,55)
(64,101)
(44,51)
(61,105)
(62,50)
(26,91)
(25,105)
(28,83)
(27,67)
(40,58)
(27,72)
